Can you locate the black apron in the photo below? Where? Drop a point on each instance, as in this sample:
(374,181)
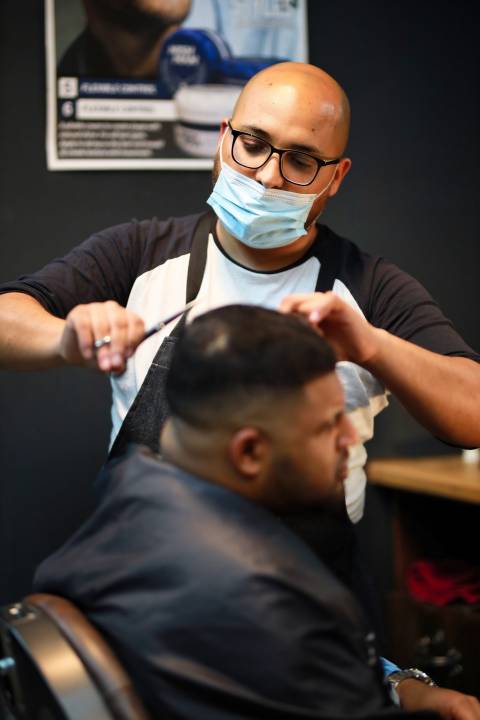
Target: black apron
(332,539)
(148,412)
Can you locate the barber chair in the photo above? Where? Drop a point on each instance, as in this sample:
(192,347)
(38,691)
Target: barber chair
(54,665)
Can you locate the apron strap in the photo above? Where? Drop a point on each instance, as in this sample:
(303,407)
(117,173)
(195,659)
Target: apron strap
(196,265)
(198,254)
(330,258)
(148,410)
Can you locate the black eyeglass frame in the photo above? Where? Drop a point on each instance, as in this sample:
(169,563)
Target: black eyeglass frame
(280,151)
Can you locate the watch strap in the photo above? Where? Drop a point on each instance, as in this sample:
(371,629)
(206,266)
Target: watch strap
(398,676)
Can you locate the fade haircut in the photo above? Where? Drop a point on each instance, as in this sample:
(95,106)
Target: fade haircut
(237,355)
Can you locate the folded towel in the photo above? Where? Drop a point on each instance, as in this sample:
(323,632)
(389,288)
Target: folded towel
(441,582)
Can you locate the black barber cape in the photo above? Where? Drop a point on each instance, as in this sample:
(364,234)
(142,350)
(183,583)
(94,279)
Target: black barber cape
(214,607)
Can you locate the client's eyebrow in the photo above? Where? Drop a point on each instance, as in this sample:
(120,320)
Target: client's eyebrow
(310,149)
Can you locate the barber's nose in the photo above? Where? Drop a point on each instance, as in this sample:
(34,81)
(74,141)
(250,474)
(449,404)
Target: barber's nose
(269,175)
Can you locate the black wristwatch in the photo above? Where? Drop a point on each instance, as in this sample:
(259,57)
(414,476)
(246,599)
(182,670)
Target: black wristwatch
(398,676)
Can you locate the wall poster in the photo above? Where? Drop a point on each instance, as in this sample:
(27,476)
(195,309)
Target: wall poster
(143,84)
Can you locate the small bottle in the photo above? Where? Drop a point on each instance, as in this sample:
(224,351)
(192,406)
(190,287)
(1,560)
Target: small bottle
(471,456)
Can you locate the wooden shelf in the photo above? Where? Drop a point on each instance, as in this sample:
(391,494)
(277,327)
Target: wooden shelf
(445,476)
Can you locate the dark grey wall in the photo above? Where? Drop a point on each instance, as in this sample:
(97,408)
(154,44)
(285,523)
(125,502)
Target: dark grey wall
(411,70)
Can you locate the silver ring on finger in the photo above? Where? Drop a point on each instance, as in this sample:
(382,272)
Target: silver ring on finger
(105,340)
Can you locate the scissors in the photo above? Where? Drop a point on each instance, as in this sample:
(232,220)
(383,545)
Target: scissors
(106,339)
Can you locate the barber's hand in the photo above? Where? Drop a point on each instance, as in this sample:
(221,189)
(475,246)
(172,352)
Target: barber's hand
(449,704)
(347,331)
(87,323)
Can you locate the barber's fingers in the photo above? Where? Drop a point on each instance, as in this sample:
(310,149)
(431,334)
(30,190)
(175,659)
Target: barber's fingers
(78,337)
(314,306)
(113,356)
(105,326)
(120,329)
(135,332)
(125,330)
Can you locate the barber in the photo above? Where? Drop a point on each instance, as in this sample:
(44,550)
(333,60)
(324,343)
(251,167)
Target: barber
(280,158)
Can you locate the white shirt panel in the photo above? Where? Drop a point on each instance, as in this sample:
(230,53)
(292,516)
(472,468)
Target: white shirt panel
(161,291)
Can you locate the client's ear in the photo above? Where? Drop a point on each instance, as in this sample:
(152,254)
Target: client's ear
(248,451)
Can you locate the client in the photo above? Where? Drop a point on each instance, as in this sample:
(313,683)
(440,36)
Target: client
(214,607)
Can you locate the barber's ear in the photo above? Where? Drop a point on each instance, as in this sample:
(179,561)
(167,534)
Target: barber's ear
(248,451)
(342,169)
(223,129)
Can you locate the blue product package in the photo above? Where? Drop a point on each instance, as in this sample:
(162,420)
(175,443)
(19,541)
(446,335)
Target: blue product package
(238,70)
(191,57)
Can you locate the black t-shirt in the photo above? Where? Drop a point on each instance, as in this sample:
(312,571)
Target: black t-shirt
(109,263)
(143,265)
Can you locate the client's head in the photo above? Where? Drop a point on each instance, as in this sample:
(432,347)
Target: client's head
(257,407)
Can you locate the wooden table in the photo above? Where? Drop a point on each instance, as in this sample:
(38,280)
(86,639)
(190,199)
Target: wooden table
(447,476)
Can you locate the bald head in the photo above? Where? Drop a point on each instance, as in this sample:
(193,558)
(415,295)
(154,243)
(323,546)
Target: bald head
(291,106)
(299,92)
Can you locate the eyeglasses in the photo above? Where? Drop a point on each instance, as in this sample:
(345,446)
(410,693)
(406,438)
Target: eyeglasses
(296,167)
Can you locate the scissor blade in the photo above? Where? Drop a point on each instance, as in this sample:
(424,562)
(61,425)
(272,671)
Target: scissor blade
(161,323)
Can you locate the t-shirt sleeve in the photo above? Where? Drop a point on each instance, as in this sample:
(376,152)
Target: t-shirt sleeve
(102,268)
(400,304)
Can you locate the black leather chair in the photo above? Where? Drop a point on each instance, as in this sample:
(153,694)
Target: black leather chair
(54,665)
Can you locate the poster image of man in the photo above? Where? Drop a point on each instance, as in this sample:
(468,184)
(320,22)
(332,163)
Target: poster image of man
(146,83)
(122,39)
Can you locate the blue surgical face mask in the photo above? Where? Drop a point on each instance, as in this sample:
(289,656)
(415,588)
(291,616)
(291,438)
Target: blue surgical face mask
(260,217)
